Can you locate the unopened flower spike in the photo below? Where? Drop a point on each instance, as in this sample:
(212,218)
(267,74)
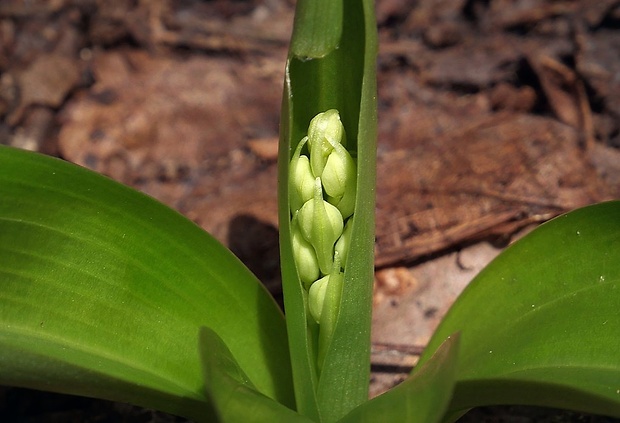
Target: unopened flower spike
(325,131)
(301,180)
(321,224)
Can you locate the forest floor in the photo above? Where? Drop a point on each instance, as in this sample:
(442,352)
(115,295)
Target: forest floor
(494,116)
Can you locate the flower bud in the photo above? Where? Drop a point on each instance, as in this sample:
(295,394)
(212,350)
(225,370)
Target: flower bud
(301,180)
(304,254)
(339,173)
(321,224)
(345,204)
(324,132)
(324,295)
(316,297)
(340,180)
(344,242)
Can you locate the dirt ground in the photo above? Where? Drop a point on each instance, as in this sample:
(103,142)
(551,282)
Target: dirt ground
(494,116)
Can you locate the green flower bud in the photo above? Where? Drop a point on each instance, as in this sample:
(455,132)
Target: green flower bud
(339,173)
(304,254)
(321,290)
(316,297)
(340,180)
(301,180)
(324,132)
(321,224)
(344,242)
(345,204)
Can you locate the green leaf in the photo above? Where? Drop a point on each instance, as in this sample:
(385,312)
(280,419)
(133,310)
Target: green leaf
(235,397)
(541,324)
(422,398)
(343,78)
(103,291)
(317,28)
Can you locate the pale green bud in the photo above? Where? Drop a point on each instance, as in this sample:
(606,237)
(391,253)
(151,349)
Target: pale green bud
(344,242)
(316,297)
(321,224)
(324,132)
(339,173)
(345,204)
(321,290)
(340,180)
(301,180)
(304,254)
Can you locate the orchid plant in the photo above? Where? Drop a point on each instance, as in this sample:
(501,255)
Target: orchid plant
(106,292)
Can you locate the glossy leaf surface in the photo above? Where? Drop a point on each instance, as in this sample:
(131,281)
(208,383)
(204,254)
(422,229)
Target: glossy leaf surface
(341,76)
(317,29)
(422,398)
(235,397)
(103,291)
(541,324)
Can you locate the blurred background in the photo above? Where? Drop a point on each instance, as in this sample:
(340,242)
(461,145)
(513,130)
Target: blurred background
(494,116)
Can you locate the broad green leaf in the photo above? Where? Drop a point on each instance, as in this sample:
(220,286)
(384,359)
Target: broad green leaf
(103,291)
(541,324)
(422,398)
(343,78)
(235,397)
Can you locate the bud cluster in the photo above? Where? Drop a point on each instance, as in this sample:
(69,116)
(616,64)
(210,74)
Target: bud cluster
(322,186)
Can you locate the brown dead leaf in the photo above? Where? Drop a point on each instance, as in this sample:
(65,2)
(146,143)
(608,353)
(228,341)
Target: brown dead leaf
(264,148)
(145,107)
(475,62)
(508,13)
(503,173)
(46,82)
(598,61)
(565,93)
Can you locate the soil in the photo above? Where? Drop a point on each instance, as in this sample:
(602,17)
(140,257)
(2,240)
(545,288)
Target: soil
(494,116)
